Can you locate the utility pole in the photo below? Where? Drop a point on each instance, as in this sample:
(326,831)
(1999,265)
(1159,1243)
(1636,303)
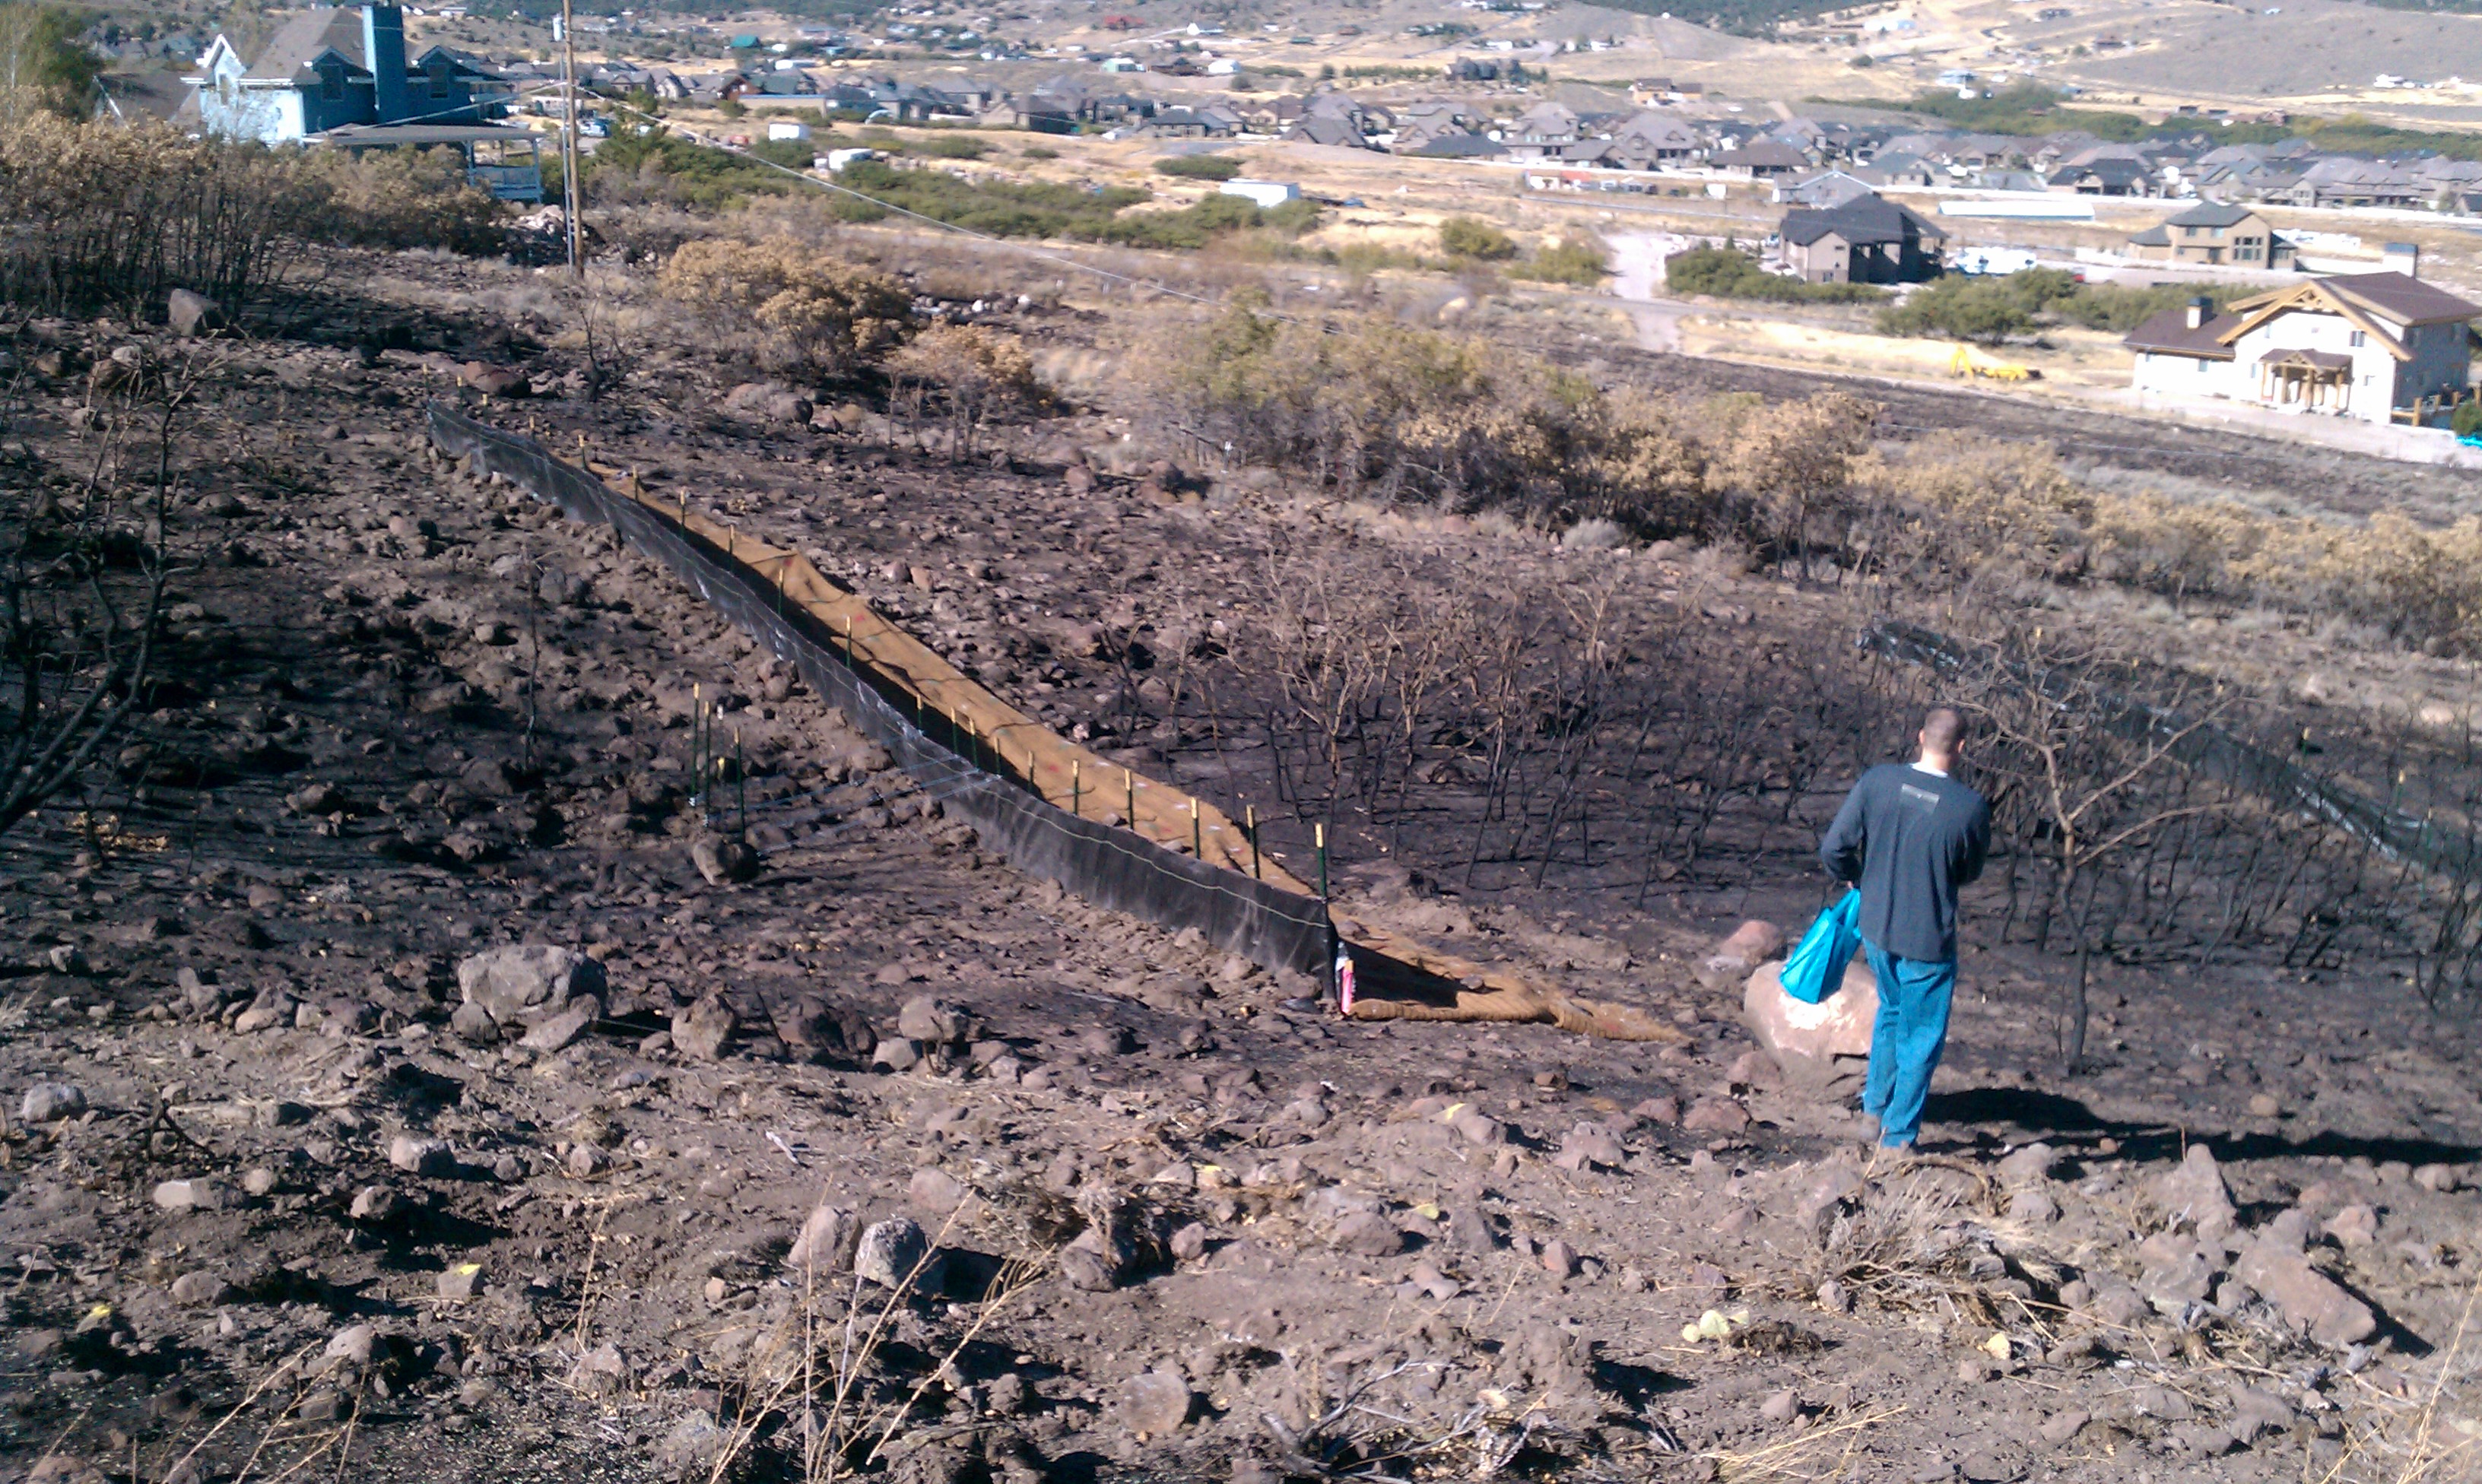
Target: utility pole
(569,137)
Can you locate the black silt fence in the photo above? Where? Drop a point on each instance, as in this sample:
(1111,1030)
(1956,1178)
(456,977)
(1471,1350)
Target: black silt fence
(1112,868)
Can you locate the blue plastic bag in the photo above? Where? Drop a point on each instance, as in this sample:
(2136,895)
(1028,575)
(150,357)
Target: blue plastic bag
(1817,963)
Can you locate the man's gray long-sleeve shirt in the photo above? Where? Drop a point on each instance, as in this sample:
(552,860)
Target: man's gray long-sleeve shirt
(1909,838)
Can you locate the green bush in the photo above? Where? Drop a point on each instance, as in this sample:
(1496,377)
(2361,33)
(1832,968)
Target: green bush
(1041,209)
(1727,273)
(656,166)
(1199,166)
(1569,260)
(1978,309)
(1993,309)
(1464,237)
(954,147)
(792,153)
(2465,422)
(1038,152)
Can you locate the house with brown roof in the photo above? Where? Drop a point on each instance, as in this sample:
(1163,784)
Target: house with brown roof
(2363,346)
(2213,234)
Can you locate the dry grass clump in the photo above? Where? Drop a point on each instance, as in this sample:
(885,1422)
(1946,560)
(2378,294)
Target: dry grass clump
(1412,415)
(805,311)
(1971,502)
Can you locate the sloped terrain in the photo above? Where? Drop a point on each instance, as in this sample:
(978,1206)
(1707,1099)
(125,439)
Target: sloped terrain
(292,1184)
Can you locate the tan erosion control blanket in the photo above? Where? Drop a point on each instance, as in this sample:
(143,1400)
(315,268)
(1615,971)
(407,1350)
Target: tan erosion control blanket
(1398,979)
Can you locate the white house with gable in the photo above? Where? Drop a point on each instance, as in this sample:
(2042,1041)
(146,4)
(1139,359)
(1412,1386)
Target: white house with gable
(2363,345)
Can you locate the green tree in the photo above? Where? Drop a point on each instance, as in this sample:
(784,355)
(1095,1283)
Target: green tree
(43,66)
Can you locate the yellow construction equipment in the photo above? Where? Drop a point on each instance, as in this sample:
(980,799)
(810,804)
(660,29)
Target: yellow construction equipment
(1970,362)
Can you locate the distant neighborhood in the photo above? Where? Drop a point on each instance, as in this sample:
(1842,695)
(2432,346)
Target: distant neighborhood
(317,74)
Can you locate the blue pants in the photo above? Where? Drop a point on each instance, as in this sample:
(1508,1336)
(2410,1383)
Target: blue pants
(1904,1042)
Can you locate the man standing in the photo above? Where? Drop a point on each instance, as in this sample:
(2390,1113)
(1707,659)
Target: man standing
(1909,836)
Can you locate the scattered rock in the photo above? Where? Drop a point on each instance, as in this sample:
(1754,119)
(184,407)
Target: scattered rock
(1155,1403)
(1370,1234)
(1591,1144)
(1781,1407)
(1189,1243)
(889,1253)
(2310,1301)
(373,1204)
(2354,1226)
(199,1289)
(1715,1115)
(524,982)
(1478,1128)
(701,1030)
(1750,944)
(2030,1165)
(722,860)
(826,1246)
(927,1020)
(204,1194)
(692,1449)
(2061,1426)
(935,1191)
(555,1032)
(190,313)
(51,1101)
(2193,1191)
(421,1156)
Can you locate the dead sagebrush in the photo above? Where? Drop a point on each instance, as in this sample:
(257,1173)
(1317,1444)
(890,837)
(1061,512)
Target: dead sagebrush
(1915,1246)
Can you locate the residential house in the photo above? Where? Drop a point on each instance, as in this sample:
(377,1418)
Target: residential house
(1904,170)
(326,69)
(1867,238)
(1824,191)
(1761,159)
(1418,124)
(1460,146)
(1538,132)
(2361,345)
(1653,141)
(2104,177)
(1208,123)
(2213,234)
(1011,114)
(2339,180)
(1073,96)
(1327,129)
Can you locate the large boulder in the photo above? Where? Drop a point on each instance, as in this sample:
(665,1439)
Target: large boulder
(523,984)
(1820,1046)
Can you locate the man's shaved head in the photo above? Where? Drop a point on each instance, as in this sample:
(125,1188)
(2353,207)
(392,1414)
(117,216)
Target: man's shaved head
(1940,731)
